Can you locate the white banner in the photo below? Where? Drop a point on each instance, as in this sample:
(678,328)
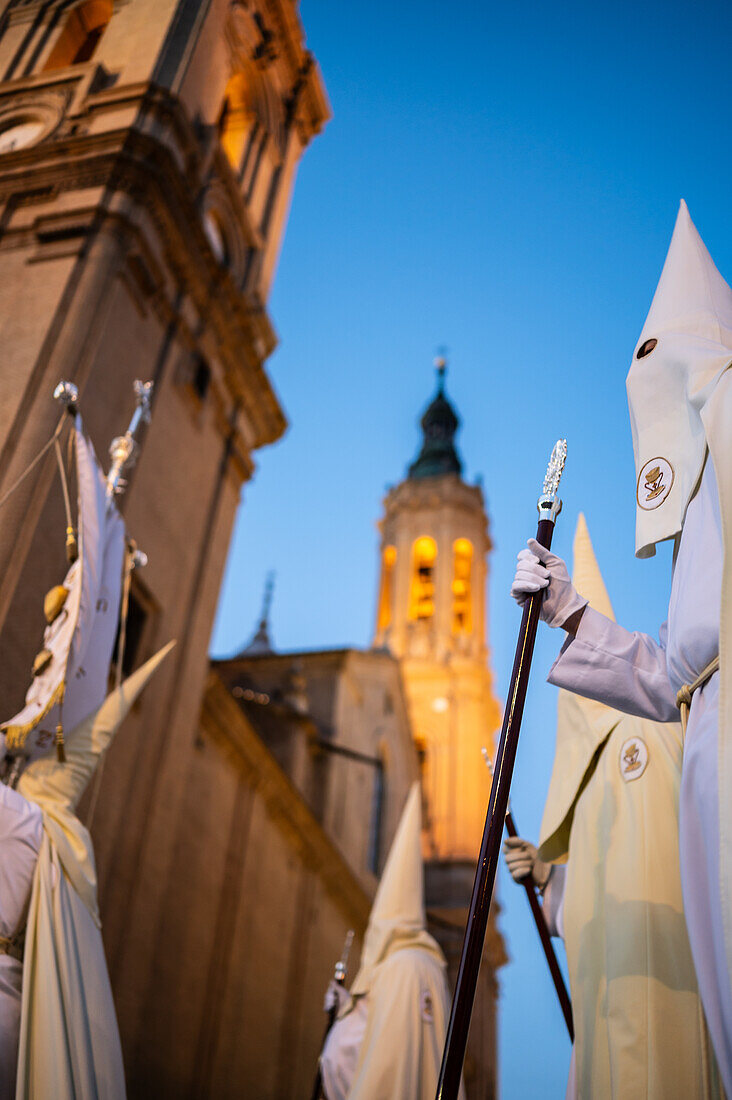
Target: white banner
(80,640)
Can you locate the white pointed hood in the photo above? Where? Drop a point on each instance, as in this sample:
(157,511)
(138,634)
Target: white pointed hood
(668,386)
(397,916)
(582,724)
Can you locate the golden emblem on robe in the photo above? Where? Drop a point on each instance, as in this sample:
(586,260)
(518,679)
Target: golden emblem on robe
(654,483)
(633,758)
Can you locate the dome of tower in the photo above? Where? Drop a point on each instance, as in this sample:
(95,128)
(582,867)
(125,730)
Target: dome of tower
(439,423)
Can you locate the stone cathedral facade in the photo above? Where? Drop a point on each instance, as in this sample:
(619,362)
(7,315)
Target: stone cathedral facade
(148,153)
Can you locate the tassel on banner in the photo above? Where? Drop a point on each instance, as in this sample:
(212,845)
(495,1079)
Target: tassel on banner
(60,744)
(72,545)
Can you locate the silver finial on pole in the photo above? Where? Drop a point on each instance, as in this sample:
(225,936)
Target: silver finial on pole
(123,449)
(549,504)
(68,395)
(139,559)
(341,968)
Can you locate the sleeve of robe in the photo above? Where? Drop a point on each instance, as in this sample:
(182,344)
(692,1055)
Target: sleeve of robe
(402,1048)
(623,669)
(553,900)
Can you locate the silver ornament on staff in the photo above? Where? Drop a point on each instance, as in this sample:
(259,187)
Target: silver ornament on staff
(448,1087)
(124,449)
(339,977)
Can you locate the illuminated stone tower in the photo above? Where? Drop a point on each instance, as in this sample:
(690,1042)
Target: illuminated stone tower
(432,615)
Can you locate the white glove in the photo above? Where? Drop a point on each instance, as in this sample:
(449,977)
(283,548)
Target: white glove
(561,598)
(522,861)
(336,996)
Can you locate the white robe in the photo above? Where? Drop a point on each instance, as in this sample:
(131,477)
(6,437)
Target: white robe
(633,673)
(389,1046)
(21,833)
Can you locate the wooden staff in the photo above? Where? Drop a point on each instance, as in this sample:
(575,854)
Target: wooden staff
(341,969)
(462,1003)
(541,926)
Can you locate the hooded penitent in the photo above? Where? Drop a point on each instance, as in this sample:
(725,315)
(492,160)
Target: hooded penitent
(611,814)
(680,397)
(400,988)
(69,1042)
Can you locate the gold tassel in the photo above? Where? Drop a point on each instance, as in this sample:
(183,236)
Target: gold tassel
(72,546)
(60,749)
(42,661)
(54,602)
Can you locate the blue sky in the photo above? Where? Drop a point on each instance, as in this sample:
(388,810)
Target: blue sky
(502,180)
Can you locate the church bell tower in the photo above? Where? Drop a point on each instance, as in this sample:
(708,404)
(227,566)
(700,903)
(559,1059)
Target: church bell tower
(431,615)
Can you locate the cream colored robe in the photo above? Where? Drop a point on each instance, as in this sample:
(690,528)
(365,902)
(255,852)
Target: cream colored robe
(408,1010)
(612,811)
(639,1027)
(69,1042)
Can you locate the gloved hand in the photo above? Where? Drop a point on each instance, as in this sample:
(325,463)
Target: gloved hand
(561,598)
(522,861)
(336,996)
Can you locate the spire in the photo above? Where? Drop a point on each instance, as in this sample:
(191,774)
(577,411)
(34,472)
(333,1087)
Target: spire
(261,643)
(439,425)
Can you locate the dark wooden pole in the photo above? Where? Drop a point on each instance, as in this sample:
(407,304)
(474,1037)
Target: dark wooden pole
(448,1085)
(339,977)
(546,940)
(317,1092)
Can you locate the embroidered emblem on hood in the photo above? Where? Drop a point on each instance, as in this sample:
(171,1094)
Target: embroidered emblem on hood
(654,483)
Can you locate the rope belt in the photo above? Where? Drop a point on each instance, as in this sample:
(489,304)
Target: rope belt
(683,698)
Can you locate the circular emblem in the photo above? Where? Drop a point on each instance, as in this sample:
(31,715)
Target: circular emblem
(654,483)
(633,758)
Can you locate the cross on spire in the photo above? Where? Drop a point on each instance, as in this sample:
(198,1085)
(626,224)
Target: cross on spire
(261,643)
(441,368)
(439,423)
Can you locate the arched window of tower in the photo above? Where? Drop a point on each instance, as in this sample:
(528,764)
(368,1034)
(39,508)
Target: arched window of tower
(250,120)
(386,595)
(80,34)
(422,588)
(462,619)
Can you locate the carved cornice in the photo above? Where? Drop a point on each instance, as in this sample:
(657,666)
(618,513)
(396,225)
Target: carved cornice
(284,51)
(159,176)
(24,11)
(434,494)
(224,723)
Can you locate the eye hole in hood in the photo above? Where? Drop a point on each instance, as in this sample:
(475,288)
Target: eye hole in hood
(646,348)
